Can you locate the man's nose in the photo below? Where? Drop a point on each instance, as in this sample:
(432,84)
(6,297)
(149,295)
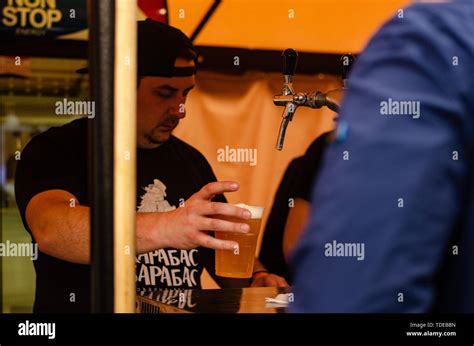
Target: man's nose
(179,109)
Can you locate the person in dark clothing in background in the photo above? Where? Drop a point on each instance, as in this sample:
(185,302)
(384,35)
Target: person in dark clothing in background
(290,208)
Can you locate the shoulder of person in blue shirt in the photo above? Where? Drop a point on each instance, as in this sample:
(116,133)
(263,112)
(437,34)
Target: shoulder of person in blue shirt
(392,219)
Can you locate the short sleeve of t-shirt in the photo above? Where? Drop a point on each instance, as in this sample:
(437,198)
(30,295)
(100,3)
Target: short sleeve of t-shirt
(46,165)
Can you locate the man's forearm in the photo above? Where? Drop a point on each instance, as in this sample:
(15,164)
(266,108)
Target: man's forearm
(60,224)
(68,237)
(150,231)
(64,232)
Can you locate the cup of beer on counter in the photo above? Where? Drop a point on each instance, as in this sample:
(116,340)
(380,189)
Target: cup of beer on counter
(239,263)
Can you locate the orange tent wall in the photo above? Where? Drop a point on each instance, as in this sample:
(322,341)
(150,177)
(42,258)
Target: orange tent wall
(327,26)
(324,26)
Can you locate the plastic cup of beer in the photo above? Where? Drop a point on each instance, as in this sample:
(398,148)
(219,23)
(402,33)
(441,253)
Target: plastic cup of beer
(238,263)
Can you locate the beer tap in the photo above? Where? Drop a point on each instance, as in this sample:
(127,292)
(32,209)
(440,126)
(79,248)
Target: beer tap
(316,99)
(290,59)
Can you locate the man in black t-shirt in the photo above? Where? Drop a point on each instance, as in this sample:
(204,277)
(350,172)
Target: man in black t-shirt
(177,190)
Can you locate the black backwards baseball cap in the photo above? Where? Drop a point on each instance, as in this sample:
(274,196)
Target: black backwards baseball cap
(158,47)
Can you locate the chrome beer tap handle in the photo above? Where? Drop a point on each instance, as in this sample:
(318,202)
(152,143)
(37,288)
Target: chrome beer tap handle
(316,99)
(287,96)
(287,117)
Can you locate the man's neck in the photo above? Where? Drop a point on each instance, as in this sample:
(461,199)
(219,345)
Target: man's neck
(149,146)
(145,143)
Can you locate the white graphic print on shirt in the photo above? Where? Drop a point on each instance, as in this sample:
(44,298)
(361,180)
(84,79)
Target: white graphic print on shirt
(164,267)
(154,198)
(182,298)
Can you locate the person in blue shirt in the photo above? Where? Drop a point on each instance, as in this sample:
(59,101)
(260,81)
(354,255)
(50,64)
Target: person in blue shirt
(392,220)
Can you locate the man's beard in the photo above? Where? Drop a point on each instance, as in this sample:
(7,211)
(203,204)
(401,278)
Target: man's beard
(169,122)
(152,140)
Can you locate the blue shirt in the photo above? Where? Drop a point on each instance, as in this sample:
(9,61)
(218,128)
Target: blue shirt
(392,218)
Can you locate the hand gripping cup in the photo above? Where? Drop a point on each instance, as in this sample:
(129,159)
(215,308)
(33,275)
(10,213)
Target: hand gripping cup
(239,263)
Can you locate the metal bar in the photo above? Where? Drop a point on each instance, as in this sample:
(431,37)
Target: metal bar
(215,58)
(101,139)
(221,59)
(125,154)
(167,15)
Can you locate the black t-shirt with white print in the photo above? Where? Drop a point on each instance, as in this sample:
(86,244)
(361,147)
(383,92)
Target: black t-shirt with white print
(166,177)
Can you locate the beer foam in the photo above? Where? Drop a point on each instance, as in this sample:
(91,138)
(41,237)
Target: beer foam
(256,212)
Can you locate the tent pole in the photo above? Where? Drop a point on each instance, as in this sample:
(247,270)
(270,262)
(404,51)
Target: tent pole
(125,154)
(205,19)
(101,139)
